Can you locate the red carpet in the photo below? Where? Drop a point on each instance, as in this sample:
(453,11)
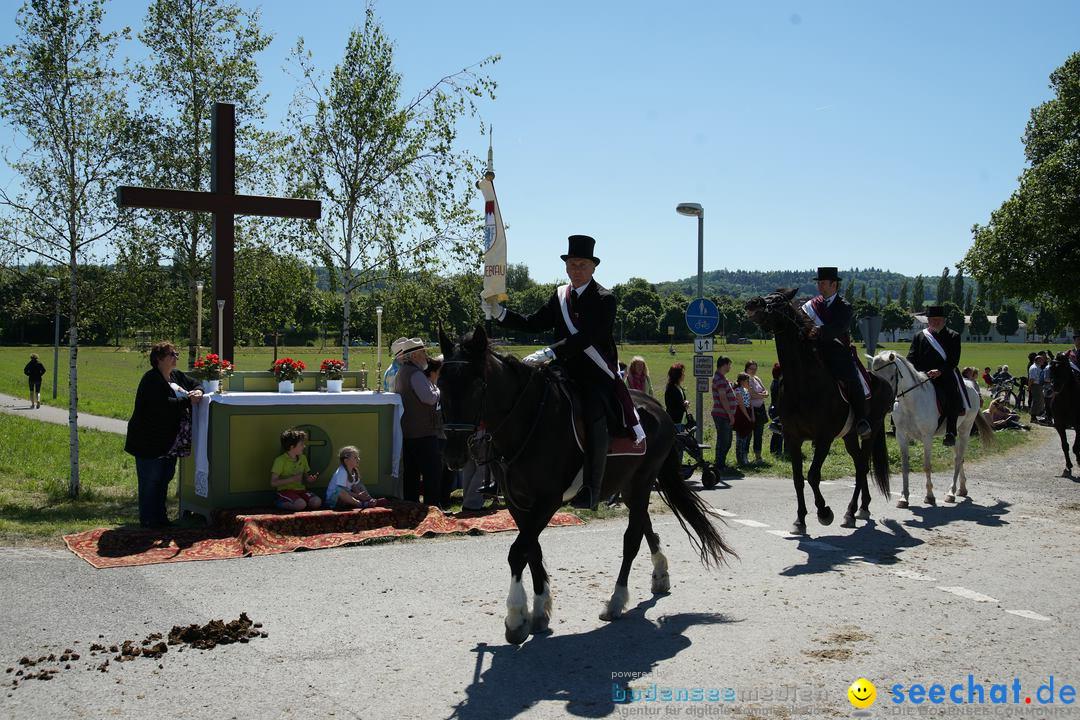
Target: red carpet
(240,535)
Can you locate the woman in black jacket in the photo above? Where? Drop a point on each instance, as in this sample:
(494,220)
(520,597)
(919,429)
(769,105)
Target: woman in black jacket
(159,430)
(34,370)
(674,396)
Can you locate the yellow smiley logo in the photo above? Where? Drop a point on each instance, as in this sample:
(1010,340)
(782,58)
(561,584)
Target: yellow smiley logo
(862,693)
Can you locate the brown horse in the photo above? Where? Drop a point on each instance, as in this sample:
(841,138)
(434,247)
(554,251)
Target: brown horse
(811,408)
(1065,409)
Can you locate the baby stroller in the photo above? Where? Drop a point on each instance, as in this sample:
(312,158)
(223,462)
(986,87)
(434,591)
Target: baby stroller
(694,455)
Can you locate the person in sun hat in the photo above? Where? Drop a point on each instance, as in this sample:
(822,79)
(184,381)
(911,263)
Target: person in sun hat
(420,453)
(936,352)
(831,314)
(582,316)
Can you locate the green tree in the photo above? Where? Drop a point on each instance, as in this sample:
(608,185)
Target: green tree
(954,317)
(1007,321)
(944,288)
(635,293)
(980,323)
(60,91)
(200,52)
(269,290)
(894,318)
(1027,250)
(902,301)
(980,293)
(397,197)
(849,290)
(642,323)
(517,278)
(1046,323)
(957,294)
(994,300)
(918,295)
(969,300)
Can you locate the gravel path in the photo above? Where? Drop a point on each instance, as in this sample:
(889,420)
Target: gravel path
(46,413)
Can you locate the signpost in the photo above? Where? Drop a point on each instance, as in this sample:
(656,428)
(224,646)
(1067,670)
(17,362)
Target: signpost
(702,317)
(703,344)
(702,384)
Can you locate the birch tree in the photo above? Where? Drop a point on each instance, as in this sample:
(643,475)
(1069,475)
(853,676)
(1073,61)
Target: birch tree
(398,197)
(61,93)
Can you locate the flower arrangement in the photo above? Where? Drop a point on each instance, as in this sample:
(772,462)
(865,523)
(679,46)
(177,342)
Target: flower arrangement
(332,368)
(213,367)
(288,369)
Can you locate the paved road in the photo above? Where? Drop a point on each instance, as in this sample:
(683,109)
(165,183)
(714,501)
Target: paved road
(926,595)
(46,413)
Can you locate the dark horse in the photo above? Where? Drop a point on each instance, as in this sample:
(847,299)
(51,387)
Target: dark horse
(811,408)
(1065,408)
(530,434)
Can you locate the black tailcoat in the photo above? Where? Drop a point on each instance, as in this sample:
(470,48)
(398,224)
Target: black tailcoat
(924,357)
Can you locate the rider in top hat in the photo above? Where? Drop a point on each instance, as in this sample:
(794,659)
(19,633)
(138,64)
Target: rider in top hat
(936,352)
(582,314)
(832,322)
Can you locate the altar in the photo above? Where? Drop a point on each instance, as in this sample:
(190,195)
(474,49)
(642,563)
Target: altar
(236,436)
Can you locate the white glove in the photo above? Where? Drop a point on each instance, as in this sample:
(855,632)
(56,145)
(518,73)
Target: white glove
(492,311)
(539,357)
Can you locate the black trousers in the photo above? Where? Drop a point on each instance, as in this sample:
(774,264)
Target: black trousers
(421,457)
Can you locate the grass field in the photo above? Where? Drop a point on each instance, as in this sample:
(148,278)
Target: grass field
(108,376)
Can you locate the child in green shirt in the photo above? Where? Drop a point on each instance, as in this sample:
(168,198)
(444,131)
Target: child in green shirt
(290,474)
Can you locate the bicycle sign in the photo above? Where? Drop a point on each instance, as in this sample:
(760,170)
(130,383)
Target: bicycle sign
(702,316)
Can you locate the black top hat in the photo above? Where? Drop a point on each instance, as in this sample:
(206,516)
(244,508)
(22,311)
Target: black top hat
(581,246)
(935,311)
(827,273)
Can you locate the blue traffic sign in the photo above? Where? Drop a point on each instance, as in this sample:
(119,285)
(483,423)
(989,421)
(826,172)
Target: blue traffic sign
(702,316)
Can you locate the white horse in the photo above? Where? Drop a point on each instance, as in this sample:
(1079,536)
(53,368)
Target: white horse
(916,416)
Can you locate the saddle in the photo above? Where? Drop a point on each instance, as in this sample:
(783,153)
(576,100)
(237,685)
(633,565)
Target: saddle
(619,443)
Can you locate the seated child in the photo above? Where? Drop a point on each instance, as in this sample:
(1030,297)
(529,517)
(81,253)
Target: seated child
(290,474)
(345,488)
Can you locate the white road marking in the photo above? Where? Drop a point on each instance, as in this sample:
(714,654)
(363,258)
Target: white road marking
(722,513)
(750,523)
(969,594)
(782,534)
(1029,615)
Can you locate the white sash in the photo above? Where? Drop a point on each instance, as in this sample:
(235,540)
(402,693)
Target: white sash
(933,342)
(808,308)
(591,351)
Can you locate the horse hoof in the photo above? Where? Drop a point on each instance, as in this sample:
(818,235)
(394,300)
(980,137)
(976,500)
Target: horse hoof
(930,500)
(825,516)
(962,492)
(610,614)
(540,625)
(798,529)
(849,521)
(950,498)
(517,635)
(862,515)
(661,585)
(901,503)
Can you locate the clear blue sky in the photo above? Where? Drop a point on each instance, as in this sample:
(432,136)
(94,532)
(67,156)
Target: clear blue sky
(850,133)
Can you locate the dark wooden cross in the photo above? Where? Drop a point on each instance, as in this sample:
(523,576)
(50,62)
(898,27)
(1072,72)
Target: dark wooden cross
(225,204)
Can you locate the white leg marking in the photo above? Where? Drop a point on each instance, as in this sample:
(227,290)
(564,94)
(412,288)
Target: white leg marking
(517,613)
(661,581)
(616,606)
(542,604)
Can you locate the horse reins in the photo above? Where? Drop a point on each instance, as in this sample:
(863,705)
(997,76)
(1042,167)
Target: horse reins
(896,389)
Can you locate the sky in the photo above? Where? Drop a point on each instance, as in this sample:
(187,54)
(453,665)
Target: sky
(848,133)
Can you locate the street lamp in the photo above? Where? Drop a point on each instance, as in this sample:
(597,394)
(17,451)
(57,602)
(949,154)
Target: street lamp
(198,317)
(695,210)
(55,282)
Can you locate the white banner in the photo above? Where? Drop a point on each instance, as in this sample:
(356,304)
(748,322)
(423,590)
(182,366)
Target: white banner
(494,241)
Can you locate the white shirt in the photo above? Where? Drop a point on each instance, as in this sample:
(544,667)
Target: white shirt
(341,479)
(1035,374)
(578,291)
(828,300)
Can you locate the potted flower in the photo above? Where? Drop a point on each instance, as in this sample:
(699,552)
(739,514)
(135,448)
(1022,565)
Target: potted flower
(211,369)
(333,370)
(287,371)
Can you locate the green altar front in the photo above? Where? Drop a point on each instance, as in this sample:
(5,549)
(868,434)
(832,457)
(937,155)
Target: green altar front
(236,438)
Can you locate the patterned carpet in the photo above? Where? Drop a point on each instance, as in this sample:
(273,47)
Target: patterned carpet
(240,535)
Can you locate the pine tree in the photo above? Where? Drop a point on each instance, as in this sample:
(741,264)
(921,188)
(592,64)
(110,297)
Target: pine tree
(943,288)
(903,299)
(918,295)
(957,295)
(969,300)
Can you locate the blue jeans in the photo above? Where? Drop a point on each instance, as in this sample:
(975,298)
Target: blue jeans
(154,476)
(723,440)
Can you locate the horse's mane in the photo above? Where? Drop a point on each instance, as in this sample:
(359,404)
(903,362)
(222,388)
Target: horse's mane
(779,298)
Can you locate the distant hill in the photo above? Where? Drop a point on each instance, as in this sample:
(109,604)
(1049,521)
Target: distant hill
(748,283)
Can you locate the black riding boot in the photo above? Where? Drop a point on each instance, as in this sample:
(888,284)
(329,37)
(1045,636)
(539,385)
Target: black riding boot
(950,431)
(596,447)
(858,407)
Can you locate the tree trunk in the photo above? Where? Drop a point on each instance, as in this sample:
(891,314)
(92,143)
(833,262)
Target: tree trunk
(73,383)
(346,311)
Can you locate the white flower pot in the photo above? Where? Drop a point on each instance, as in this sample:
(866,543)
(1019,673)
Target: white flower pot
(211,386)
(285,386)
(333,386)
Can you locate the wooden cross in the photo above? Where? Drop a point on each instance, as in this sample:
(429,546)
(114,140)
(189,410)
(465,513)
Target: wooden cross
(225,204)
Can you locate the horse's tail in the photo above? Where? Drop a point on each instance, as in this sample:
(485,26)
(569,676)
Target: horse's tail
(986,430)
(879,457)
(691,510)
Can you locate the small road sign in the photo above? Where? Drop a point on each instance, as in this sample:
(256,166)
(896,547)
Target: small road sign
(703,366)
(703,344)
(702,384)
(702,316)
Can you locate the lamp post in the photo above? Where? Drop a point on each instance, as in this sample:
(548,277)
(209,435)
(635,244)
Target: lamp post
(198,317)
(55,282)
(695,210)
(220,334)
(378,344)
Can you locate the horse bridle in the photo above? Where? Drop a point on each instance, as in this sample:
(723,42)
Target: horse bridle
(483,455)
(896,387)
